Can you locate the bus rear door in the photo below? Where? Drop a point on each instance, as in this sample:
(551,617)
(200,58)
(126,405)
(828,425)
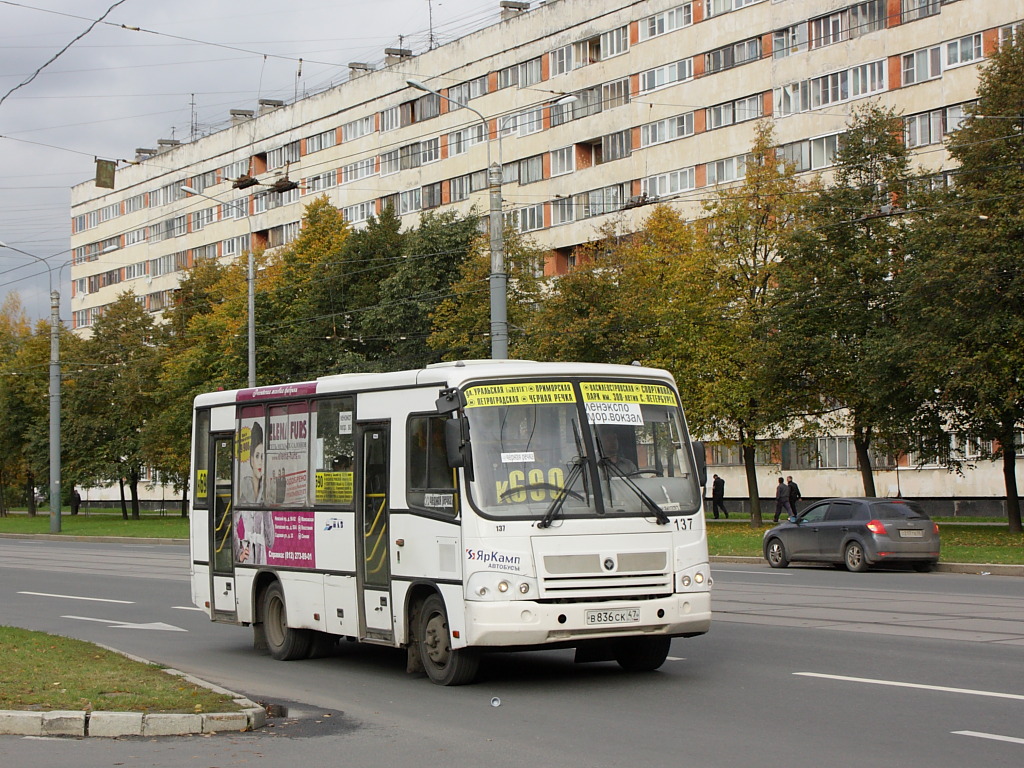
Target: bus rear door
(222,561)
(373,512)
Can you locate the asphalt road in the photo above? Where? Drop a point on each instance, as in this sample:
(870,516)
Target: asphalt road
(802,667)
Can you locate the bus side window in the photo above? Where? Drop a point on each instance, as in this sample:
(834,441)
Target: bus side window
(332,453)
(431,482)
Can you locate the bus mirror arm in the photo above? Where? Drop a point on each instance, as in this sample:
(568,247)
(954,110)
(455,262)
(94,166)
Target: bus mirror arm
(702,464)
(456,439)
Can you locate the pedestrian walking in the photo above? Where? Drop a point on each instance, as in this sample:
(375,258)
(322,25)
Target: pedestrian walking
(76,501)
(794,493)
(718,497)
(782,500)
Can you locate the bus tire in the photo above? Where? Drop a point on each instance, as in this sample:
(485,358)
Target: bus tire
(443,664)
(641,654)
(283,642)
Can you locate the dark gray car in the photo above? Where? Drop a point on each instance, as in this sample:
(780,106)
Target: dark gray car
(856,533)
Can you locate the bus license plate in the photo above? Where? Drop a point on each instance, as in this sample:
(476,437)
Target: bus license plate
(620,616)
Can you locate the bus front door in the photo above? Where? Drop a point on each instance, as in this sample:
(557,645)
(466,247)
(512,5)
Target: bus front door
(222,570)
(373,511)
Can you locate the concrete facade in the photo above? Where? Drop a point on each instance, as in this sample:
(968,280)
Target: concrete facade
(665,98)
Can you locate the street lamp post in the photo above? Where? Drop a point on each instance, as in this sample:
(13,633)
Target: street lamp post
(498,278)
(250,280)
(54,391)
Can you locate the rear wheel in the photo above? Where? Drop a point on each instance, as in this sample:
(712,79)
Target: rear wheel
(854,557)
(641,654)
(443,664)
(777,557)
(283,642)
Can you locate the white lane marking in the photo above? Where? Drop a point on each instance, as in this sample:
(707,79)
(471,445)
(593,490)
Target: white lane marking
(187,608)
(771,572)
(77,597)
(114,624)
(896,684)
(992,736)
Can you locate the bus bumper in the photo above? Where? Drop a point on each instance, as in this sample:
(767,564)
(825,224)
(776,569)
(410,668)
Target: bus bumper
(524,622)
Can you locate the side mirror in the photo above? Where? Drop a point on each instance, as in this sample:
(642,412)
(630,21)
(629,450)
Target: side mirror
(702,462)
(456,440)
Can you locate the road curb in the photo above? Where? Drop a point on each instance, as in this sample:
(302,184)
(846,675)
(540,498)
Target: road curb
(103,724)
(981,569)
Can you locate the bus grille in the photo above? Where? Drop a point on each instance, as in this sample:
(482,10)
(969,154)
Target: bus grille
(589,576)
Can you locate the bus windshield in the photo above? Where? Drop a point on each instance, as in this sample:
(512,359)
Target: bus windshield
(579,449)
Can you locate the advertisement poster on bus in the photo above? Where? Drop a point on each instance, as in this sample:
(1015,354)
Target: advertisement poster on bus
(275,537)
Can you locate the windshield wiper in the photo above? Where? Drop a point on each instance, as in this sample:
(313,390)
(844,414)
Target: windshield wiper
(577,469)
(659,514)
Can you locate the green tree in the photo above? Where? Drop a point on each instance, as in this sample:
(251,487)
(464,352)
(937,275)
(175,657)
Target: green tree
(461,322)
(736,260)
(834,307)
(114,397)
(963,310)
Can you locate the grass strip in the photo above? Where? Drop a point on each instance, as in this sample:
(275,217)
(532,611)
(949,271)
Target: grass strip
(42,672)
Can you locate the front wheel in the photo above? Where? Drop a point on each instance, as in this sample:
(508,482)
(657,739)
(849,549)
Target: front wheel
(443,664)
(641,654)
(854,557)
(284,643)
(777,557)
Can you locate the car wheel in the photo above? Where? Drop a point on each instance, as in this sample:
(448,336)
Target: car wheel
(777,557)
(924,566)
(855,560)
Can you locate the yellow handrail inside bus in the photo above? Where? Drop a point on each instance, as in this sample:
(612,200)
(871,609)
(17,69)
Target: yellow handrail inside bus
(226,517)
(379,535)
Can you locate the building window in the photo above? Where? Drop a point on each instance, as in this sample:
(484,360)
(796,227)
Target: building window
(614,42)
(390,119)
(1010,32)
(563,161)
(508,76)
(235,170)
(561,60)
(530,122)
(615,93)
(788,41)
(410,201)
(410,156)
(321,182)
(616,146)
(563,210)
(660,77)
(390,162)
(528,219)
(357,128)
(463,92)
(598,202)
(826,30)
(134,236)
(867,79)
(667,21)
(320,141)
(666,130)
(922,65)
(727,170)
(963,51)
(919,9)
(531,169)
(135,203)
(460,141)
(736,111)
(717,7)
(430,195)
(358,213)
(358,170)
(867,17)
(811,154)
(282,156)
(529,72)
(671,183)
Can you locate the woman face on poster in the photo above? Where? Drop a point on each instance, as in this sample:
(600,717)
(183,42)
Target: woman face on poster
(257,461)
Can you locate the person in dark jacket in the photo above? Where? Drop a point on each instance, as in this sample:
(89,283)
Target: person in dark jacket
(794,493)
(718,497)
(782,500)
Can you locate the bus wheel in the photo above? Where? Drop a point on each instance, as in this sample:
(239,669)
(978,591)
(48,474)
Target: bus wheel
(283,642)
(443,664)
(641,654)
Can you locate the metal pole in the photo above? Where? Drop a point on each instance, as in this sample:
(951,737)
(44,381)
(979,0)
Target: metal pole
(498,278)
(55,501)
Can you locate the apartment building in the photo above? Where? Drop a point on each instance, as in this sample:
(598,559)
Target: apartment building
(594,110)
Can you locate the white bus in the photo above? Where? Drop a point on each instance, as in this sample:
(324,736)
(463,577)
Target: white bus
(449,510)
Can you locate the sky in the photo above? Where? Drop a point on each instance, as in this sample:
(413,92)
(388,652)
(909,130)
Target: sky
(187,64)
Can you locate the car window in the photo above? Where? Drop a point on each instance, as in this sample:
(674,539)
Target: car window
(814,514)
(841,510)
(897,510)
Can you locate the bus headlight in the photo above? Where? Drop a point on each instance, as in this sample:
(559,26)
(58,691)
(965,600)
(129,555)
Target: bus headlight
(496,586)
(695,579)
